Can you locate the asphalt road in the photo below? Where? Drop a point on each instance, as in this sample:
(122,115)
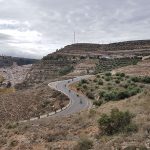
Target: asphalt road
(75,98)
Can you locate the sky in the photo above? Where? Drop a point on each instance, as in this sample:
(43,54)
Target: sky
(35,28)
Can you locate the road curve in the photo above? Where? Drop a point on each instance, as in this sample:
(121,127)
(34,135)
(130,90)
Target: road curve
(74,105)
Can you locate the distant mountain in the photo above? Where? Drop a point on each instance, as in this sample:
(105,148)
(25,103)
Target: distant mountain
(7,61)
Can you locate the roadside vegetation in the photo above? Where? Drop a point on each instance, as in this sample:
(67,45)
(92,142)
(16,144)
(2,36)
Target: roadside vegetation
(107,87)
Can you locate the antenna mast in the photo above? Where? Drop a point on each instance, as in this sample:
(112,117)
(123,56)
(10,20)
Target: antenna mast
(74,37)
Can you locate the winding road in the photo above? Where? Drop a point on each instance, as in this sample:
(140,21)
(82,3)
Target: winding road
(77,102)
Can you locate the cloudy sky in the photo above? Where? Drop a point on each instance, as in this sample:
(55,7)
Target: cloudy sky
(33,28)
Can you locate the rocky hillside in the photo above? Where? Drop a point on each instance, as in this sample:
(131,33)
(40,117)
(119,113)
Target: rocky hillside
(141,47)
(77,57)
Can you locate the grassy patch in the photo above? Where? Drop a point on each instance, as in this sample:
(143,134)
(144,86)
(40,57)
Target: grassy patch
(7,90)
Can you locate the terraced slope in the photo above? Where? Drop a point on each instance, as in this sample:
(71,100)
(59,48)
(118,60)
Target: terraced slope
(75,59)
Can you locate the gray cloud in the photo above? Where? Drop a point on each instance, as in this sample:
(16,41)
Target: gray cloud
(34,28)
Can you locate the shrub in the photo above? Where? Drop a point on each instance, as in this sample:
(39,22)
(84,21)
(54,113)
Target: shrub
(90,95)
(117,95)
(83,81)
(127,77)
(117,81)
(123,94)
(84,144)
(109,87)
(134,91)
(146,79)
(136,79)
(45,104)
(98,76)
(125,85)
(66,70)
(78,88)
(92,90)
(129,81)
(100,82)
(85,86)
(108,74)
(131,128)
(97,103)
(116,122)
(109,96)
(117,74)
(107,78)
(101,93)
(120,74)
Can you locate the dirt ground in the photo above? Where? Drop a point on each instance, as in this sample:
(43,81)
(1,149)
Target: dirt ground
(25,104)
(64,133)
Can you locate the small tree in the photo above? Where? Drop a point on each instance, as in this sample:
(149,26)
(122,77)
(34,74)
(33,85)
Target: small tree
(118,121)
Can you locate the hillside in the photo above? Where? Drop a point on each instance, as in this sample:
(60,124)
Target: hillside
(83,58)
(118,120)
(128,47)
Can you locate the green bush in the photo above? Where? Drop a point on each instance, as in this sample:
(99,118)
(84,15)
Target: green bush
(97,103)
(101,93)
(109,96)
(146,79)
(90,95)
(98,76)
(118,95)
(136,79)
(66,70)
(116,122)
(131,128)
(107,78)
(117,81)
(134,91)
(83,81)
(83,144)
(122,95)
(85,86)
(122,74)
(108,74)
(100,82)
